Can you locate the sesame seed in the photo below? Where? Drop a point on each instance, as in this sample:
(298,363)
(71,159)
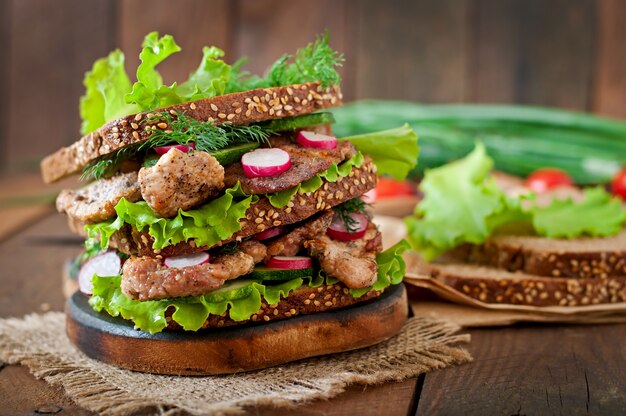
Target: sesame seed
(230,117)
(173,112)
(221,115)
(312,296)
(288,210)
(248,113)
(256,99)
(137,117)
(260,227)
(289,91)
(316,303)
(258,220)
(288,107)
(275,312)
(292,311)
(162,125)
(115,129)
(136,135)
(236,104)
(305,101)
(213,107)
(192,106)
(266,318)
(134,125)
(306,302)
(238,111)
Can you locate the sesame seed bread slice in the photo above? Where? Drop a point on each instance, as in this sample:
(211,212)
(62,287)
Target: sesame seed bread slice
(302,301)
(575,258)
(260,216)
(491,285)
(238,108)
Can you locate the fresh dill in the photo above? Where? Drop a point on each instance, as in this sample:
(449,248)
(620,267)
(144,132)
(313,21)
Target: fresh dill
(182,129)
(317,61)
(351,206)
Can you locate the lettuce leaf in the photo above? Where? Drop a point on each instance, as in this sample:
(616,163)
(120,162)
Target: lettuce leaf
(207,225)
(462,204)
(393,151)
(332,174)
(105,87)
(599,214)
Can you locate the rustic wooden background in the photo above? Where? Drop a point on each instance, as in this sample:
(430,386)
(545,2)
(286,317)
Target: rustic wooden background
(565,53)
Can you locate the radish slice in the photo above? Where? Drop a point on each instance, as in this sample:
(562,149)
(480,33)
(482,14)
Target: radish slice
(265,162)
(272,232)
(194,259)
(161,150)
(337,229)
(316,140)
(293,262)
(105,264)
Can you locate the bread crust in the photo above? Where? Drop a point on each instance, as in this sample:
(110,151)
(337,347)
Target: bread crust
(261,215)
(589,258)
(237,108)
(302,301)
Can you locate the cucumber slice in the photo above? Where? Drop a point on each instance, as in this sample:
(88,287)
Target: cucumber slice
(298,122)
(266,273)
(237,289)
(233,154)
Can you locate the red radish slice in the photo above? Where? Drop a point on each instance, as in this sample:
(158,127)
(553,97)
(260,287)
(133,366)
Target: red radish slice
(194,259)
(337,229)
(105,264)
(161,150)
(316,140)
(272,232)
(293,262)
(265,162)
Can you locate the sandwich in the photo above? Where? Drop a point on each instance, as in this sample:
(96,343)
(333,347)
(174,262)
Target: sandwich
(225,200)
(496,241)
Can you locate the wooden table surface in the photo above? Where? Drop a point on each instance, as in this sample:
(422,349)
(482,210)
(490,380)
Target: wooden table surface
(522,369)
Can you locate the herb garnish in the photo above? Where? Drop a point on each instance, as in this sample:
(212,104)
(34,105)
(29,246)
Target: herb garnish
(351,206)
(182,129)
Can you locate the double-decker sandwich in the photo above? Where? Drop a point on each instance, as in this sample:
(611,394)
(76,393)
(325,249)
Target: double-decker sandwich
(226,200)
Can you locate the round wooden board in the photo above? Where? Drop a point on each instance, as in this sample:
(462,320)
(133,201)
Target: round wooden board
(234,349)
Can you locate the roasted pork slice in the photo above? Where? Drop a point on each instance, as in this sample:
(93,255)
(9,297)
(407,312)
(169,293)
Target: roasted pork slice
(147,278)
(180,180)
(291,243)
(352,262)
(305,163)
(96,202)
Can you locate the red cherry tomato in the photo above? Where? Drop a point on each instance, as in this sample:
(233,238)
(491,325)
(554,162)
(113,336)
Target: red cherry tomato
(387,188)
(618,184)
(543,179)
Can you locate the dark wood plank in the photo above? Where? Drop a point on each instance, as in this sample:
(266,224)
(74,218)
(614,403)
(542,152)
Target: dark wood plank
(413,50)
(547,369)
(267,30)
(609,95)
(52,44)
(532,52)
(5,33)
(193,23)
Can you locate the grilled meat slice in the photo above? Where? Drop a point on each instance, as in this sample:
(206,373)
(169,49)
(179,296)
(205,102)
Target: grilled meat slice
(253,248)
(96,202)
(147,278)
(290,244)
(305,163)
(180,180)
(352,262)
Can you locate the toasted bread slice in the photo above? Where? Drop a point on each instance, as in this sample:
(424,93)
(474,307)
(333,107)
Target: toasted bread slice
(237,108)
(260,216)
(491,285)
(576,258)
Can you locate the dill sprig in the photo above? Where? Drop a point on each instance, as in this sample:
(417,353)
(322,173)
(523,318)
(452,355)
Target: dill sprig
(350,207)
(317,61)
(182,129)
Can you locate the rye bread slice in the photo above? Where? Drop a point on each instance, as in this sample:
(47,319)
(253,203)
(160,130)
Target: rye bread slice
(302,301)
(238,108)
(590,258)
(259,217)
(491,285)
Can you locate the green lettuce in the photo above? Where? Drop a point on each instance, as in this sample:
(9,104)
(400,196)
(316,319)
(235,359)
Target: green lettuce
(207,225)
(105,87)
(393,151)
(190,312)
(462,204)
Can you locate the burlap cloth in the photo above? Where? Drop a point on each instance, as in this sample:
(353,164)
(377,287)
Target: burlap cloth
(39,342)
